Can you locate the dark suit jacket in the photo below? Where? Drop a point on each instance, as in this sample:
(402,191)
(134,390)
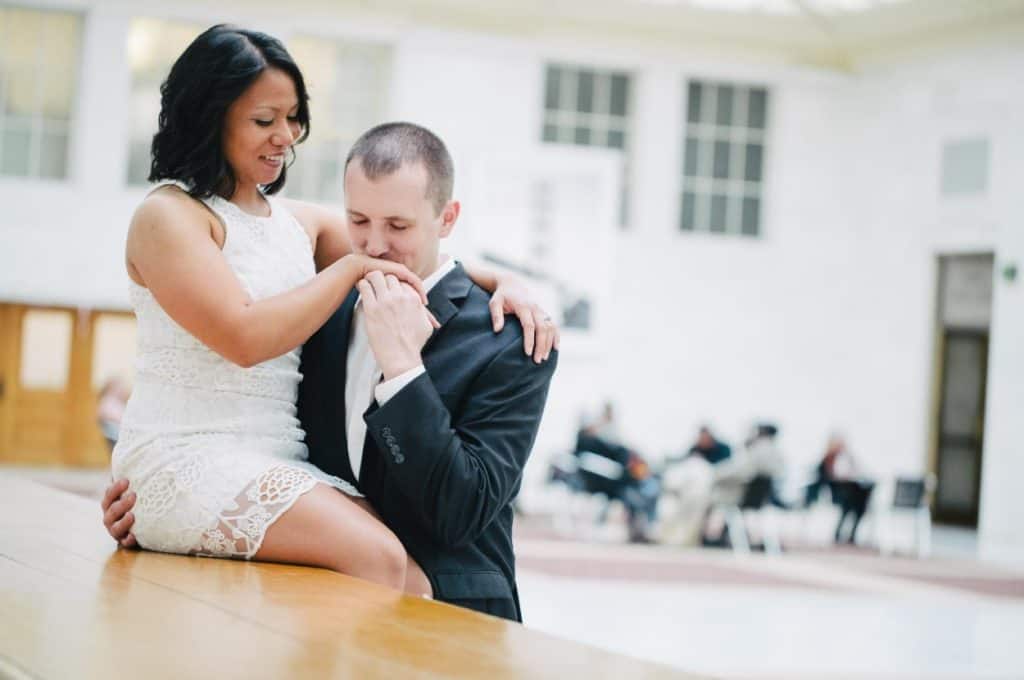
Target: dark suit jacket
(443,459)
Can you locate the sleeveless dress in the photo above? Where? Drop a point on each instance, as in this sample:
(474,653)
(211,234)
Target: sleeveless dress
(215,451)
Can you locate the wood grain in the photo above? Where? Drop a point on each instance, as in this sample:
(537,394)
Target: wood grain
(75,606)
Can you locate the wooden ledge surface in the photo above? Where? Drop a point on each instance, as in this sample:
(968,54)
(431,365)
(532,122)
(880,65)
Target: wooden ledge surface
(75,606)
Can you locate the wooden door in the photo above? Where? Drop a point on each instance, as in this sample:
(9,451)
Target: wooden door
(48,386)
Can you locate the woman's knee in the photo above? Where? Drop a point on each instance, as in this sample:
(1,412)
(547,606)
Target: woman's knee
(383,560)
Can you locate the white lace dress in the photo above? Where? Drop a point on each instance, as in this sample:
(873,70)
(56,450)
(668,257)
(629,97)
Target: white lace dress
(214,451)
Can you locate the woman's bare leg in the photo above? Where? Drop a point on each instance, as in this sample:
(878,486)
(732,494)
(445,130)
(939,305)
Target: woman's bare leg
(416,581)
(325,528)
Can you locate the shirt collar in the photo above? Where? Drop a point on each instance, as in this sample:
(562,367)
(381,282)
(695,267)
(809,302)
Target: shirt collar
(442,270)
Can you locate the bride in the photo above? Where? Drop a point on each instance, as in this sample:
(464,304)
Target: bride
(227,282)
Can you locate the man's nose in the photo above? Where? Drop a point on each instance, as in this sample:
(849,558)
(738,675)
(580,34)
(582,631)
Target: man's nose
(376,244)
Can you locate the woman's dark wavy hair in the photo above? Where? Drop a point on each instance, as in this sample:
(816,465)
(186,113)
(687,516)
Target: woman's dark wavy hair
(206,79)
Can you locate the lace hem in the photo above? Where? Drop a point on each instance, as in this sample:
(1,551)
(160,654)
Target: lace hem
(240,530)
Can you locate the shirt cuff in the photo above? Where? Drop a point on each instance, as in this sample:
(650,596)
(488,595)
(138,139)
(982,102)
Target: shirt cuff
(389,388)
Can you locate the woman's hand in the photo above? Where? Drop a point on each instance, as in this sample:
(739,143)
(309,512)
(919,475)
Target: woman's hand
(365,264)
(540,334)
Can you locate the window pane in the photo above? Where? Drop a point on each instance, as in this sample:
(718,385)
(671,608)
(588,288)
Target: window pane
(16,146)
(348,86)
(617,139)
(751,216)
(152,47)
(330,180)
(53,152)
(700,210)
(45,349)
(550,133)
(721,167)
(302,173)
(757,109)
(690,157)
(113,349)
(752,173)
(20,51)
(585,92)
(965,164)
(723,114)
(61,38)
(693,99)
(21,84)
(717,221)
(582,136)
(686,222)
(551,87)
(620,95)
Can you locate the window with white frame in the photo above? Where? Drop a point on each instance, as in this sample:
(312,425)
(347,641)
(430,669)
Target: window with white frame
(588,107)
(723,158)
(348,84)
(153,47)
(39,55)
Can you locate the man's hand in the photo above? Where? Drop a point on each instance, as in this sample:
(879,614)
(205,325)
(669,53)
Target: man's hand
(397,323)
(117,516)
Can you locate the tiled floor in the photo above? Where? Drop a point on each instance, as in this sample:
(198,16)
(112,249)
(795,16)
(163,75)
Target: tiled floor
(814,613)
(817,612)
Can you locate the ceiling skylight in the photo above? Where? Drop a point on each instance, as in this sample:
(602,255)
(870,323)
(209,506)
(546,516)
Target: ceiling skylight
(779,6)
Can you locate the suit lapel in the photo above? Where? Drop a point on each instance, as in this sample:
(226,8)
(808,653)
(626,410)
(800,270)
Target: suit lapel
(446,297)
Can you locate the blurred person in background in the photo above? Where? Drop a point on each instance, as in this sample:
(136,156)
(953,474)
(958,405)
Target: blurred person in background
(850,488)
(765,460)
(634,483)
(687,483)
(110,404)
(709,447)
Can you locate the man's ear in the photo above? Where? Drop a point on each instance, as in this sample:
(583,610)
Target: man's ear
(449,215)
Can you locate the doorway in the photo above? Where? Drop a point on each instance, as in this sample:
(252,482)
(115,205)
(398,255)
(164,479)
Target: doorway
(965,304)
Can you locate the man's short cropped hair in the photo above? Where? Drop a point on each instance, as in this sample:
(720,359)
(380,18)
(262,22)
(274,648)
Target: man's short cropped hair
(386,148)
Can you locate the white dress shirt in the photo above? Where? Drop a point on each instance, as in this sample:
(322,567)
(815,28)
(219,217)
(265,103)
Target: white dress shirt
(362,381)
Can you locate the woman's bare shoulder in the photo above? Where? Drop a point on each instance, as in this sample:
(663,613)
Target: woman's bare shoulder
(169,208)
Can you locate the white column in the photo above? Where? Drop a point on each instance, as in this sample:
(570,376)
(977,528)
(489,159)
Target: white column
(99,139)
(1001,524)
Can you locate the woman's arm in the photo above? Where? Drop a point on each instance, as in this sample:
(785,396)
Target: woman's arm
(328,230)
(171,249)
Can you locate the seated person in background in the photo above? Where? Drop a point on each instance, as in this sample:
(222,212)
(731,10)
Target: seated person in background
(110,407)
(636,487)
(710,448)
(850,490)
(687,483)
(765,461)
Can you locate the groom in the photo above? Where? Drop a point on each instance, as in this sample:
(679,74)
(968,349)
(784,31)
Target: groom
(433,426)
(439,446)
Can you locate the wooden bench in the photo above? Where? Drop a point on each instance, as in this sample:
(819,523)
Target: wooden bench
(73,606)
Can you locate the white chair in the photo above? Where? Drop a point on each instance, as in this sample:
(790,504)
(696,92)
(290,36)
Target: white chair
(911,496)
(755,500)
(584,510)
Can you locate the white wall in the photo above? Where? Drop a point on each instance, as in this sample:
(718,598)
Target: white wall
(968,94)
